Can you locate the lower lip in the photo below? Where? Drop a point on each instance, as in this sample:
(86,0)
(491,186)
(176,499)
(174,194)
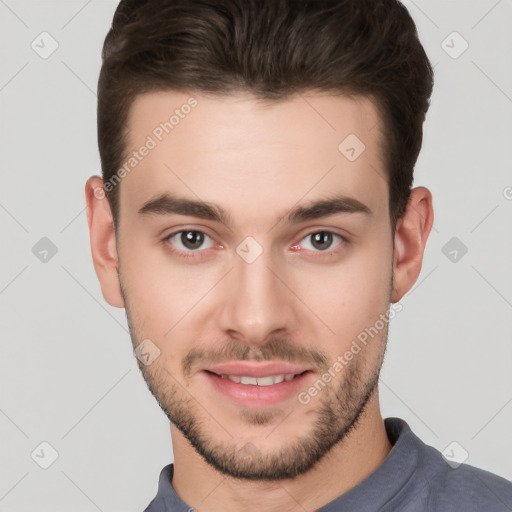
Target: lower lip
(247,395)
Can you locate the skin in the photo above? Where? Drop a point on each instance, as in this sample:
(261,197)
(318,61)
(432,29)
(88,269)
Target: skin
(258,161)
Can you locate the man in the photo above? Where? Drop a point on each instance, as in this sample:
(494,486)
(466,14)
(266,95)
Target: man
(256,220)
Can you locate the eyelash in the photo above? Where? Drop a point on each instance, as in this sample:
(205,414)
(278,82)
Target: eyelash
(193,253)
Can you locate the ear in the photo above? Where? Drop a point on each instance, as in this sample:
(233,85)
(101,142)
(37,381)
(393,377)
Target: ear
(103,241)
(411,235)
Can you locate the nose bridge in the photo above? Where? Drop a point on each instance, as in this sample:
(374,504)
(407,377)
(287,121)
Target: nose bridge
(258,303)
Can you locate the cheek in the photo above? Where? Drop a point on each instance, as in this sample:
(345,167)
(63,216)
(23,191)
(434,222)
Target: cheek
(154,289)
(167,300)
(351,296)
(155,280)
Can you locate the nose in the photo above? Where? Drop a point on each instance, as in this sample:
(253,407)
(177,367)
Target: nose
(258,304)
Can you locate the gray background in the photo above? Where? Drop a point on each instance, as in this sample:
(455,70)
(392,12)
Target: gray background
(67,373)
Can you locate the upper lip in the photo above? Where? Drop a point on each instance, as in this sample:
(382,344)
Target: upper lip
(256,368)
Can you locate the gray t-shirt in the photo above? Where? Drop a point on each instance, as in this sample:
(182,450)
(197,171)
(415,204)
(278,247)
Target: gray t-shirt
(413,477)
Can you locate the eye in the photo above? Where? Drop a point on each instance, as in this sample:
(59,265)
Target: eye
(322,240)
(190,240)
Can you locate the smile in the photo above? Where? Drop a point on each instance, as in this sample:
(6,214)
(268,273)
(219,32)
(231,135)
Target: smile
(257,384)
(259,381)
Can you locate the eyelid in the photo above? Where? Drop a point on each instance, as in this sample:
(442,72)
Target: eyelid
(200,229)
(344,240)
(187,253)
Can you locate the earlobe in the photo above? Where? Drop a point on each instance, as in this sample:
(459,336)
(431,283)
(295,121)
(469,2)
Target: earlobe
(103,241)
(411,234)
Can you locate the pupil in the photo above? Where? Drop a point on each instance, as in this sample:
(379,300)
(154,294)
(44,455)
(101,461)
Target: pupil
(192,239)
(323,237)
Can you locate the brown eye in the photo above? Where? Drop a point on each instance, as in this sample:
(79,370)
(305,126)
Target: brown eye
(190,240)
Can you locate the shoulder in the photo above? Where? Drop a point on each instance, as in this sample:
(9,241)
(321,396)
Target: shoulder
(464,487)
(467,488)
(450,488)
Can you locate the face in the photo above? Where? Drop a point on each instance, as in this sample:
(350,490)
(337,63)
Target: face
(255,254)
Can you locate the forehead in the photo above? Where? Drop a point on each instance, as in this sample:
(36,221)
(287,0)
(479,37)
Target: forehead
(240,151)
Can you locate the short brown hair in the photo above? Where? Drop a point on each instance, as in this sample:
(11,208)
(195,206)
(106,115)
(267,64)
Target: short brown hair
(272,49)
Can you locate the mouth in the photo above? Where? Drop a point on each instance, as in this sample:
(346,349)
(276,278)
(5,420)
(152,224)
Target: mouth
(257,384)
(269,380)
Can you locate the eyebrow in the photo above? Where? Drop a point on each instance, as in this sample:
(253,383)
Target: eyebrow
(168,204)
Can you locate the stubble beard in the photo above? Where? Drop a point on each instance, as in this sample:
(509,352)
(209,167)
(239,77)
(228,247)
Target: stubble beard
(337,410)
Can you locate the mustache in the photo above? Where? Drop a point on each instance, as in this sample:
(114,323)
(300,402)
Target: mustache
(276,349)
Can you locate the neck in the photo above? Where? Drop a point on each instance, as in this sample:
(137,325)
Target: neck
(352,460)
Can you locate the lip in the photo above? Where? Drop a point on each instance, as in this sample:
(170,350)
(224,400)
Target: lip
(254,396)
(256,368)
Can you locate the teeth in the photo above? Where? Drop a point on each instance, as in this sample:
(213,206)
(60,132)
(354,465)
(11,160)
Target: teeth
(247,380)
(259,381)
(265,381)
